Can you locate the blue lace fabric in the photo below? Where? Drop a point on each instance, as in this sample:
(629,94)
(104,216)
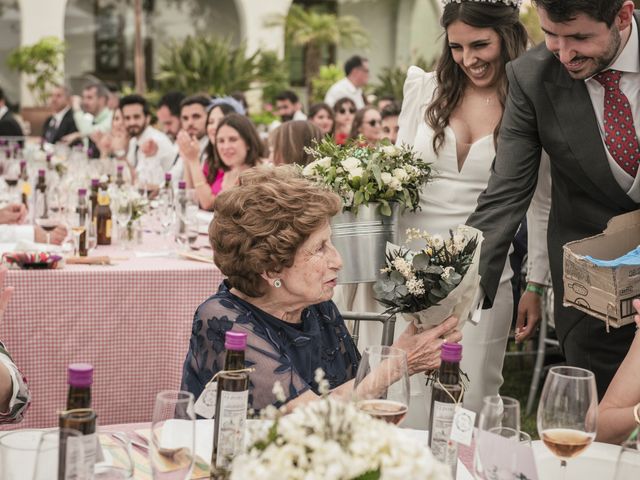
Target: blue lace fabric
(277,350)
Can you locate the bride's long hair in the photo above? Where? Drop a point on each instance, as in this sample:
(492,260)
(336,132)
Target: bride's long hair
(452,81)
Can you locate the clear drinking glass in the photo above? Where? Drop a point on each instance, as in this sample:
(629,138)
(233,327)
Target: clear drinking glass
(49,455)
(499,416)
(568,412)
(117,462)
(381,387)
(172,445)
(628,464)
(19,454)
(122,211)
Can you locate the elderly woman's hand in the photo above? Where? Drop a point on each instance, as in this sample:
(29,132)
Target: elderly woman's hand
(423,348)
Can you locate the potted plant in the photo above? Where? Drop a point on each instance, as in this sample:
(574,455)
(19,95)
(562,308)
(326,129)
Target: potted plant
(41,63)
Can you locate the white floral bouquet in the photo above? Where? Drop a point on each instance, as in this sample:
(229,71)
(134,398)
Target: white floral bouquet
(329,439)
(128,195)
(440,280)
(363,174)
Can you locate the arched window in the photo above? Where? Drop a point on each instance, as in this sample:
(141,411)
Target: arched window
(9,40)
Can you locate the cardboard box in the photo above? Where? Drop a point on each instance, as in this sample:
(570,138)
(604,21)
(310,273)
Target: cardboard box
(604,292)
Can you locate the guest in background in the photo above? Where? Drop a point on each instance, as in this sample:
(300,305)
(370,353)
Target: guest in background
(384,101)
(114,145)
(9,126)
(168,113)
(240,97)
(321,115)
(345,111)
(272,240)
(61,123)
(389,117)
(368,125)
(14,391)
(150,151)
(356,70)
(619,412)
(192,134)
(291,139)
(237,147)
(90,114)
(113,102)
(289,107)
(13,230)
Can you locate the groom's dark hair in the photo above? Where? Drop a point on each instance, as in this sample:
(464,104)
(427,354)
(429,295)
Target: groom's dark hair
(566,10)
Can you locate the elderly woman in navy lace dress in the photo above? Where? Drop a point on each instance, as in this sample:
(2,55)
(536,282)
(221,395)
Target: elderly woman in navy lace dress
(272,240)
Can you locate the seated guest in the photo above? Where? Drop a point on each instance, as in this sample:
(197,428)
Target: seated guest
(114,145)
(235,148)
(150,151)
(290,140)
(272,240)
(345,111)
(168,113)
(91,115)
(384,101)
(11,230)
(619,411)
(14,392)
(389,116)
(9,126)
(367,124)
(321,115)
(61,123)
(193,132)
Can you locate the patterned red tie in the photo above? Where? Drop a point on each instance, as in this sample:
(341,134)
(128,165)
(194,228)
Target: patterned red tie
(619,131)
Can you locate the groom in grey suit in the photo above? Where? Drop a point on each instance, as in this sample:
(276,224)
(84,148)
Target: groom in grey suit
(560,97)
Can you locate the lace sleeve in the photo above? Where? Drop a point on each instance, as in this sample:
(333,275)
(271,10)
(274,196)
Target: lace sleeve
(206,353)
(418,90)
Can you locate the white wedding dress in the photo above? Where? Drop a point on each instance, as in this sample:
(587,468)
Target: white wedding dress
(446,202)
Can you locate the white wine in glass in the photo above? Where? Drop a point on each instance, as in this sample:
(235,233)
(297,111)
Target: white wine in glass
(381,387)
(568,412)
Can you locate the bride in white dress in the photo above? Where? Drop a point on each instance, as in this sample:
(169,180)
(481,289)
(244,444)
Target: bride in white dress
(480,37)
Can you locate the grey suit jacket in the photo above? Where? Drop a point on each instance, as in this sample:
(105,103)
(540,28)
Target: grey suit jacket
(547,109)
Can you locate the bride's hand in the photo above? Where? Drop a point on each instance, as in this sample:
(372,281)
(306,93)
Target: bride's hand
(423,347)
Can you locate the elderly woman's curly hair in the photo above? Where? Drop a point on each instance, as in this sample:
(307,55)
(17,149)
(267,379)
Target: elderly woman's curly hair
(259,225)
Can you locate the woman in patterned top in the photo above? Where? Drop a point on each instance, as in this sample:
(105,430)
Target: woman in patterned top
(272,240)
(14,392)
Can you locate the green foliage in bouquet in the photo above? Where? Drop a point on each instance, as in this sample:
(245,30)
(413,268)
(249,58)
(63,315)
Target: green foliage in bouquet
(414,281)
(361,174)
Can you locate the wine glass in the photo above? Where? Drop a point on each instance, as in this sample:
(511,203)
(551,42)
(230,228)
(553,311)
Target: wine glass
(568,412)
(173,427)
(19,453)
(49,454)
(47,221)
(499,417)
(122,210)
(11,177)
(628,464)
(381,386)
(117,461)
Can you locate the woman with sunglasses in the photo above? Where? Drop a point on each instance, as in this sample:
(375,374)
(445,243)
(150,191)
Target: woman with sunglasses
(345,111)
(367,124)
(451,118)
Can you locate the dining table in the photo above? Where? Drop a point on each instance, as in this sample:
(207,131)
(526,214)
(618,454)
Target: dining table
(131,319)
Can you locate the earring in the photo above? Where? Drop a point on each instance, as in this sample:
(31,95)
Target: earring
(277,283)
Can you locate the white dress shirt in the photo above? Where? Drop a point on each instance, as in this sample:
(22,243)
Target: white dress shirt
(344,88)
(151,169)
(57,117)
(627,62)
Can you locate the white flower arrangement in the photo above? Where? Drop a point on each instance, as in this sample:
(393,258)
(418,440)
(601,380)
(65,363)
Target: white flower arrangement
(333,440)
(363,174)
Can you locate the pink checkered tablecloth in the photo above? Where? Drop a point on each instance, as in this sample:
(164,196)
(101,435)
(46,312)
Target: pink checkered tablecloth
(131,320)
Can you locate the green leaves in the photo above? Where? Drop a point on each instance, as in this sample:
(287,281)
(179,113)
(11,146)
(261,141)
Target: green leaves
(371,475)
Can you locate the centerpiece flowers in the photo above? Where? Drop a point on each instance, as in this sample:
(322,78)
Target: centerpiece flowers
(362,174)
(124,196)
(330,439)
(437,281)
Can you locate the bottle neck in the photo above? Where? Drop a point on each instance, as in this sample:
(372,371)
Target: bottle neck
(449,373)
(234,360)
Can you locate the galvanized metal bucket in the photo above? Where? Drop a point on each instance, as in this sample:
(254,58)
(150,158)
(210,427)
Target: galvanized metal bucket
(361,240)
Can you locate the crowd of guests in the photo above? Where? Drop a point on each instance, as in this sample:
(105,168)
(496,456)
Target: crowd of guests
(490,133)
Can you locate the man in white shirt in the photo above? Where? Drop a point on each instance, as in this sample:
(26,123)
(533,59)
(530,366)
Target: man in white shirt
(356,70)
(560,99)
(150,152)
(193,130)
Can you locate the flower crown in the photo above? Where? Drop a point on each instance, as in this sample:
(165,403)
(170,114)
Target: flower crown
(509,3)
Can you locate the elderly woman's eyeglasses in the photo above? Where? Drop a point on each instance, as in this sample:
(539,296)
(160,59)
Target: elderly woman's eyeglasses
(342,111)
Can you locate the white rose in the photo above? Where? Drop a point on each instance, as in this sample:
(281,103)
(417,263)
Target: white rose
(391,150)
(401,174)
(310,168)
(386,178)
(324,162)
(355,172)
(395,184)
(350,163)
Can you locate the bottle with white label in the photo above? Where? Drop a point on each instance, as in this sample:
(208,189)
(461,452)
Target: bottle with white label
(447,394)
(231,405)
(82,420)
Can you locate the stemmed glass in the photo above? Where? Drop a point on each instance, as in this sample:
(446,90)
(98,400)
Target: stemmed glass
(499,416)
(47,221)
(122,210)
(117,462)
(172,451)
(381,386)
(12,177)
(568,412)
(628,464)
